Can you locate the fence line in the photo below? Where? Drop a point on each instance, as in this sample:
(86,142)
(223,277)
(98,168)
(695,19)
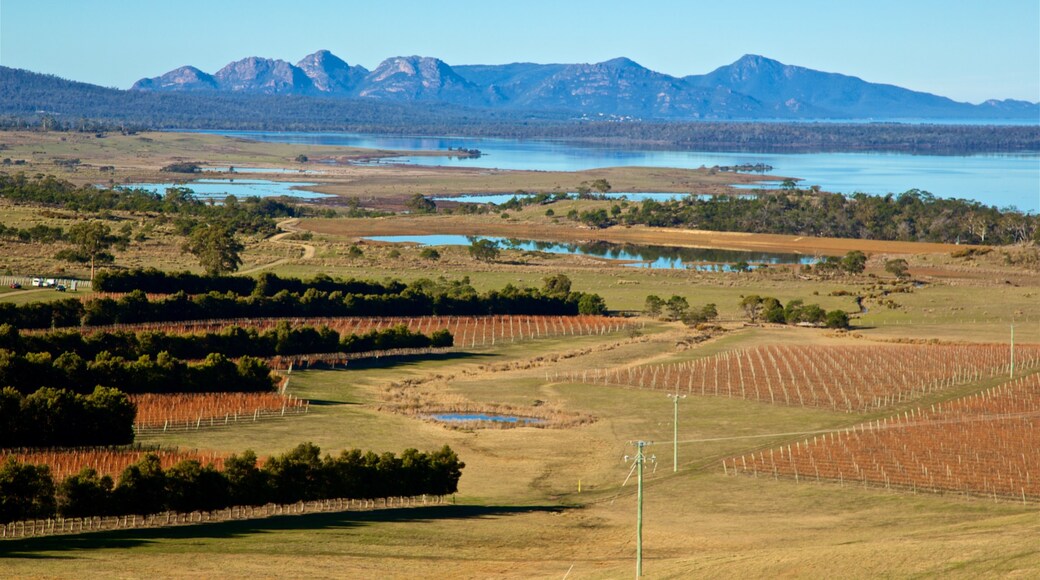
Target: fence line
(226,421)
(64,526)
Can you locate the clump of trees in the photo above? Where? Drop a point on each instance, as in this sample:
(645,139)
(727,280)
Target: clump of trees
(768,309)
(913,215)
(61,417)
(182,167)
(252,215)
(38,233)
(678,308)
(301,474)
(852,263)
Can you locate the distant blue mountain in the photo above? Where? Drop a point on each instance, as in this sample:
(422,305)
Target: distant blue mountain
(753,87)
(803,92)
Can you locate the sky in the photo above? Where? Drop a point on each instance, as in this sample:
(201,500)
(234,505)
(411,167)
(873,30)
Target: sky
(968,50)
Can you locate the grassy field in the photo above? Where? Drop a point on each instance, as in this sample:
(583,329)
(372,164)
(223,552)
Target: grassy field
(519,512)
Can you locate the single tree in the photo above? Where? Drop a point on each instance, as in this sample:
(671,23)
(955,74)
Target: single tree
(557,285)
(898,268)
(600,185)
(653,305)
(484,250)
(676,307)
(430,254)
(752,306)
(93,241)
(854,262)
(216,248)
(592,304)
(419,203)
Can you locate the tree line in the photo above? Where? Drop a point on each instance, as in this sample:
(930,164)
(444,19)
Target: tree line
(154,281)
(52,417)
(913,215)
(301,474)
(420,298)
(159,374)
(233,342)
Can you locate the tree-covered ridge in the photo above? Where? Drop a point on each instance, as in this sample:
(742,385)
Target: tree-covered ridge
(910,216)
(302,474)
(247,215)
(82,107)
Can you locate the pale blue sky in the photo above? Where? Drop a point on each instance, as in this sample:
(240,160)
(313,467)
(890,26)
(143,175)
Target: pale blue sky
(968,50)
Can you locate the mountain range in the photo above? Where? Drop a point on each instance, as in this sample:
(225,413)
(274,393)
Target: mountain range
(753,87)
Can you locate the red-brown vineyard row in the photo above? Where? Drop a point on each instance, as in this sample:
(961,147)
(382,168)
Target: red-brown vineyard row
(194,410)
(66,462)
(844,378)
(987,444)
(469,331)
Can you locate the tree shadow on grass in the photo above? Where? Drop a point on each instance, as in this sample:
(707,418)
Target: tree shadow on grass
(411,359)
(385,362)
(65,547)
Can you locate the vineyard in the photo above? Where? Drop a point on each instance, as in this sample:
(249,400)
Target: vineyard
(987,444)
(469,331)
(66,462)
(843,378)
(194,410)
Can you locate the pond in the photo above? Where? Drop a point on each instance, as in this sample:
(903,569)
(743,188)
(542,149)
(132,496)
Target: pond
(500,198)
(218,189)
(467,417)
(237,169)
(641,256)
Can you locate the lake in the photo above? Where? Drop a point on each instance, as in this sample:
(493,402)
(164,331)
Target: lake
(218,189)
(656,257)
(1000,180)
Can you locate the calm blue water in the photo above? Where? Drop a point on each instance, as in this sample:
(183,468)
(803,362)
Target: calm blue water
(500,198)
(656,257)
(260,170)
(220,188)
(998,180)
(462,417)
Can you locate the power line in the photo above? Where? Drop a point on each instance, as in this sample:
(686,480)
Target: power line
(1002,417)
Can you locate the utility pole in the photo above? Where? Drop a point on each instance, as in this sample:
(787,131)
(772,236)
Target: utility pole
(640,458)
(675,431)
